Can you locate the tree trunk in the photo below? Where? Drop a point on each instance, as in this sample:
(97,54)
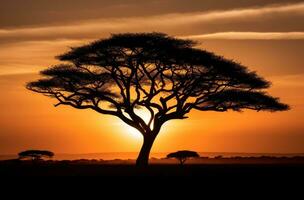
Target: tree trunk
(143,157)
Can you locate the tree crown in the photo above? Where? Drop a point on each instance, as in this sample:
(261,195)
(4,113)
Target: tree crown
(36,154)
(183,154)
(167,76)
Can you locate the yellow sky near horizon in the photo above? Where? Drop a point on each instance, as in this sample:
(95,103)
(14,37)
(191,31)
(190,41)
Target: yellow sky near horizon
(266,37)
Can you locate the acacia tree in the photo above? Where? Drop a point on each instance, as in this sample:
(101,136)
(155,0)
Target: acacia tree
(183,155)
(166,76)
(35,155)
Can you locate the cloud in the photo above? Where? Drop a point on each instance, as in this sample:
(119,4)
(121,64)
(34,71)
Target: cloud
(28,57)
(289,87)
(289,80)
(29,49)
(297,8)
(251,36)
(102,27)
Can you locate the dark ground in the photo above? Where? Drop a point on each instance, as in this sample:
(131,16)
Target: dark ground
(247,178)
(224,168)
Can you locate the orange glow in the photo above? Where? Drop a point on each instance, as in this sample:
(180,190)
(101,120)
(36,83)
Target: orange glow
(29,121)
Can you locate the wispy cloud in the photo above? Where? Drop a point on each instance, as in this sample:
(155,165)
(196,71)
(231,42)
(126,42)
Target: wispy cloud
(251,36)
(28,49)
(297,8)
(288,86)
(102,27)
(289,80)
(28,57)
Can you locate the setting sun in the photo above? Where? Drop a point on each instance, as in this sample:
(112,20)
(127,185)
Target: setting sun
(131,132)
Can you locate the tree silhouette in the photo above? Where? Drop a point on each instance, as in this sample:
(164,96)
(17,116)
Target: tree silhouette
(35,154)
(183,155)
(166,76)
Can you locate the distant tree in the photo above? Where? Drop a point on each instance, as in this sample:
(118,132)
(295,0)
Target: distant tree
(182,156)
(35,154)
(165,76)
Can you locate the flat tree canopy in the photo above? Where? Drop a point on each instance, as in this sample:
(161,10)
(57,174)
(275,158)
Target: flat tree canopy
(166,76)
(35,154)
(183,155)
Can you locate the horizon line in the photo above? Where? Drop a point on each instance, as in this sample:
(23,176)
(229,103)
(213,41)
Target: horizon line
(228,152)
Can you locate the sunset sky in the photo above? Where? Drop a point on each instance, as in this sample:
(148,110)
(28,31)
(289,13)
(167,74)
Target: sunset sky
(265,35)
